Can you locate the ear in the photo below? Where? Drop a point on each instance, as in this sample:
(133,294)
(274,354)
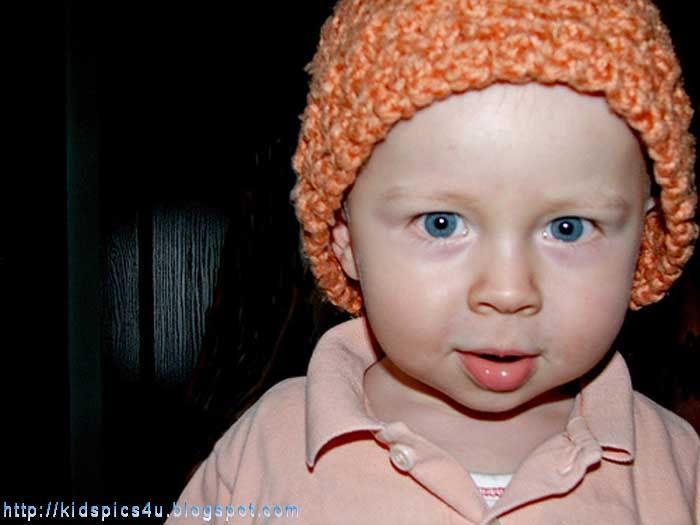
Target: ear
(650,205)
(342,247)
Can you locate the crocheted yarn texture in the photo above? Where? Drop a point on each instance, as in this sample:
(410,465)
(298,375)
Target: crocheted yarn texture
(379,61)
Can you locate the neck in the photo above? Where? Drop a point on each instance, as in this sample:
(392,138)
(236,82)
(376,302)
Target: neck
(482,441)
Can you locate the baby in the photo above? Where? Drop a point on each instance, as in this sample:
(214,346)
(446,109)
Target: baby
(487,186)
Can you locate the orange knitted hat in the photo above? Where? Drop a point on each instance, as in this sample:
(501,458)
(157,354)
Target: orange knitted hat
(379,61)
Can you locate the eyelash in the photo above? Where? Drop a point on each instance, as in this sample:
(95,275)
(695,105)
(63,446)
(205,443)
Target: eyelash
(427,239)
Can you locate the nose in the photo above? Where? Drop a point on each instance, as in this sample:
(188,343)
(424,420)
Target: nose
(505,281)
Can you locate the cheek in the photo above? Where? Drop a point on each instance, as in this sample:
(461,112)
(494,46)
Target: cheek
(407,304)
(589,312)
(401,296)
(398,277)
(599,276)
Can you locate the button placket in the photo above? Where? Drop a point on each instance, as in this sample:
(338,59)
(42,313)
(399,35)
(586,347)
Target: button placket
(402,457)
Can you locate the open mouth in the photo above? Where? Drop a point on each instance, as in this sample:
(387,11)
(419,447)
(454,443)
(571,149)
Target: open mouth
(501,359)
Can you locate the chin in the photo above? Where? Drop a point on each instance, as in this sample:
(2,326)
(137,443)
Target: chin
(502,407)
(487,402)
(504,403)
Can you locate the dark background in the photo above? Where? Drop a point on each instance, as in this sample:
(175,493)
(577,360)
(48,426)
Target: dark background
(148,246)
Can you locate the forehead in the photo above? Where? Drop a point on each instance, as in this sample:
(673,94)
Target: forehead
(517,138)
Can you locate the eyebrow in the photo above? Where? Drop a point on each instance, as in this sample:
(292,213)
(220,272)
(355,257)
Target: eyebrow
(400,192)
(613,201)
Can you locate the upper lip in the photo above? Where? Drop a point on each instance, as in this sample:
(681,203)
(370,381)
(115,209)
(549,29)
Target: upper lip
(499,352)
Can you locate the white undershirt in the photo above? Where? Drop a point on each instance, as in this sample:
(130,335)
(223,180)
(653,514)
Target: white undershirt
(491,486)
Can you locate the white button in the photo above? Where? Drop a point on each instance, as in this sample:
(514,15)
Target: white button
(402,457)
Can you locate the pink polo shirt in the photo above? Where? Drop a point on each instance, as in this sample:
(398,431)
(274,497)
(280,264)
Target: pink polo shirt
(308,452)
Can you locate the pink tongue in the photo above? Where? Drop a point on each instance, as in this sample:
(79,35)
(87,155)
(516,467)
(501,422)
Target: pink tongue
(500,376)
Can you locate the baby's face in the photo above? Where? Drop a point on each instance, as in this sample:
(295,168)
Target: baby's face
(506,221)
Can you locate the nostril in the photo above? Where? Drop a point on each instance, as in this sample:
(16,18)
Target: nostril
(505,291)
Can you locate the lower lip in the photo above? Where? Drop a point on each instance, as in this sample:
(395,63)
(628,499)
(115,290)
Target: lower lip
(499,376)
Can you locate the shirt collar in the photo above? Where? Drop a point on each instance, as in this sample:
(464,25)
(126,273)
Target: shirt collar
(606,403)
(334,386)
(336,399)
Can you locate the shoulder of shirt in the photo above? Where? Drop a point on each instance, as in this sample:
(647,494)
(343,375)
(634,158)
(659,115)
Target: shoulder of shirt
(678,429)
(279,406)
(286,398)
(278,415)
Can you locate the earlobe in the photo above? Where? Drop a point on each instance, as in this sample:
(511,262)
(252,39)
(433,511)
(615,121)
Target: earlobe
(342,248)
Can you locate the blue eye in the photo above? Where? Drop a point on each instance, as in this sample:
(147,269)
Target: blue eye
(567,229)
(440,224)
